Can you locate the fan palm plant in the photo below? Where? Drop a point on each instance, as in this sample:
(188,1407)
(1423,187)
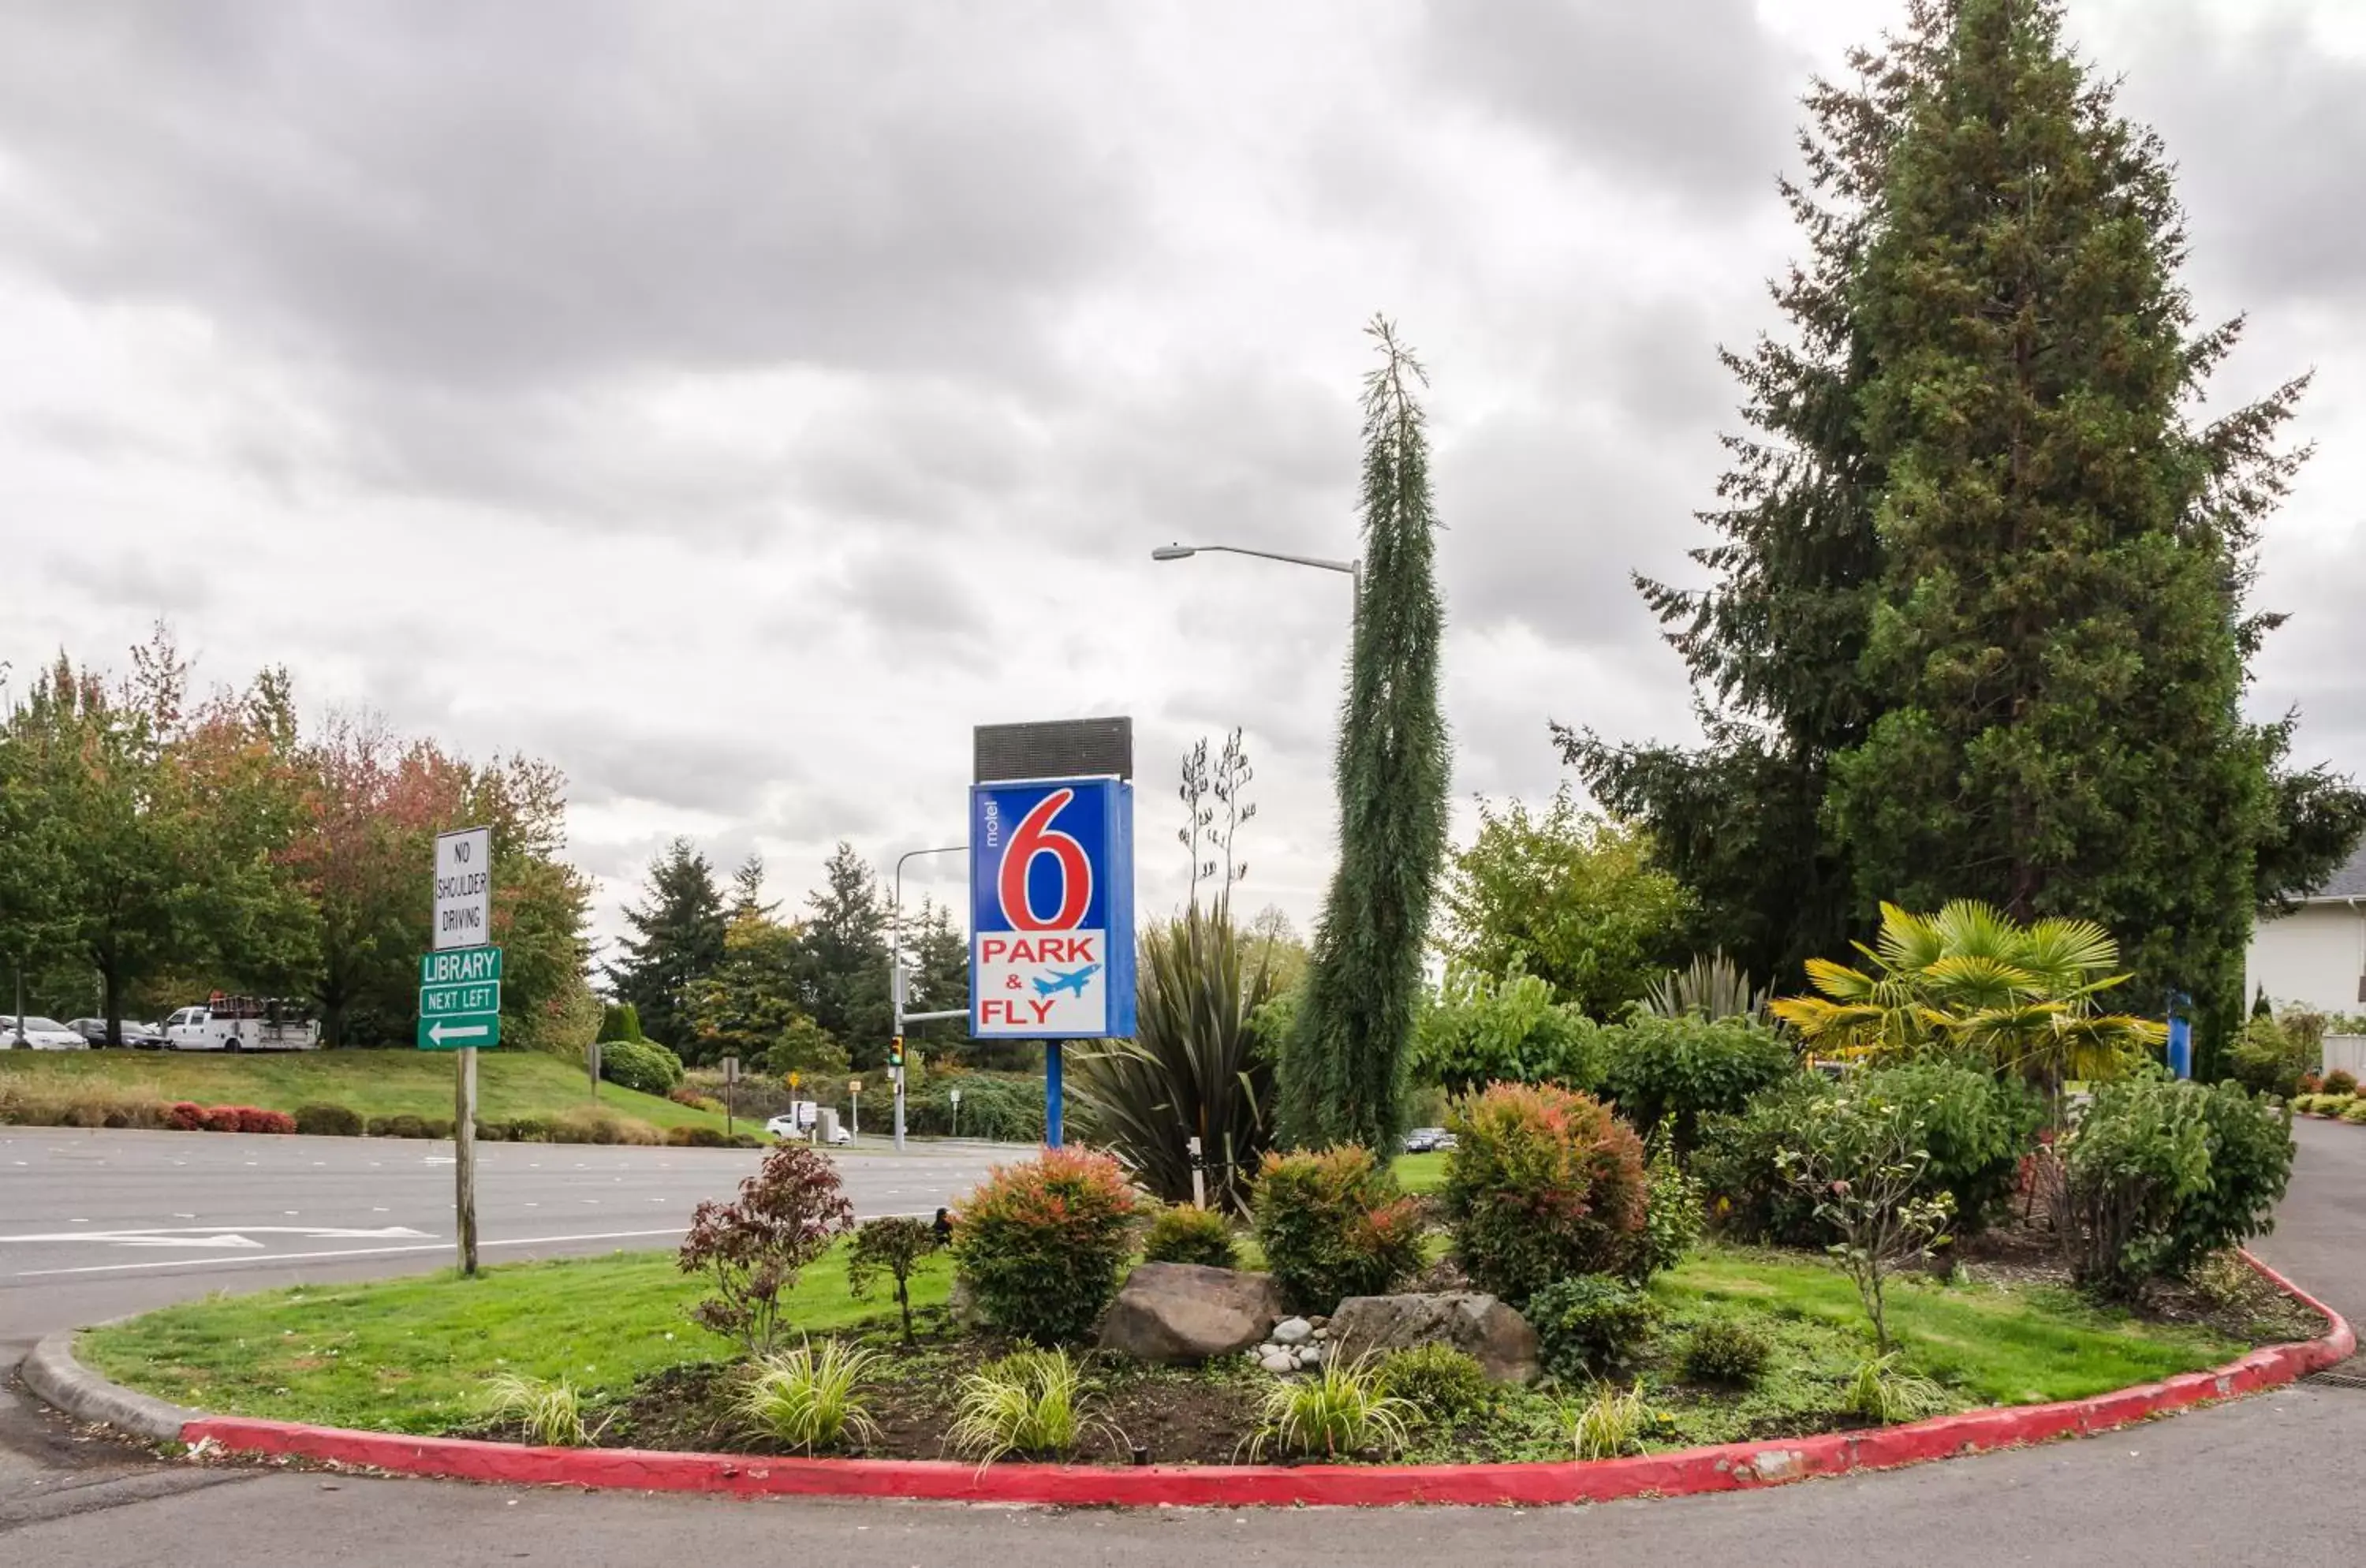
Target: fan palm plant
(1194,1068)
(2022,997)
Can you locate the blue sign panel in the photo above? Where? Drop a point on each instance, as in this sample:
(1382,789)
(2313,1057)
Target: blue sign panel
(1050,886)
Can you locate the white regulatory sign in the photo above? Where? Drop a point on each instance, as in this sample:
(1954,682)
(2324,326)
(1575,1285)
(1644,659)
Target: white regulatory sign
(463,888)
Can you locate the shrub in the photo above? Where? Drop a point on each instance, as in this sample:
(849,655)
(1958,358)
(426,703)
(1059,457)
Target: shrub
(186,1117)
(1589,1324)
(620,1021)
(2356,1113)
(552,1413)
(492,1131)
(1443,1385)
(1737,1165)
(438,1127)
(1333,1224)
(1186,1234)
(1041,1242)
(2121,1176)
(1725,1350)
(642,1065)
(2338,1081)
(402,1127)
(697,1138)
(683,1094)
(894,1246)
(328,1120)
(810,1397)
(1611,1424)
(1343,1411)
(788,1214)
(1027,1402)
(1542,1183)
(1674,1212)
(251,1119)
(2269,1057)
(220,1119)
(600,1124)
(2251,1154)
(529,1130)
(1678,1070)
(1482,1031)
(2311,1084)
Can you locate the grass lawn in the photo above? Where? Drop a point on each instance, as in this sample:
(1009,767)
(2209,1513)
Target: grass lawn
(374,1083)
(1421,1173)
(413,1355)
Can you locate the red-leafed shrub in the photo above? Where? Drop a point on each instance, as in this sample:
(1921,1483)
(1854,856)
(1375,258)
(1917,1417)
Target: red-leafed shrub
(251,1119)
(1335,1225)
(223,1118)
(2310,1084)
(1041,1242)
(788,1214)
(186,1117)
(1543,1183)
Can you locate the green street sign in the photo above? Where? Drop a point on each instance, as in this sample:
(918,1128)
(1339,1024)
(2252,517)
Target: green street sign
(460,999)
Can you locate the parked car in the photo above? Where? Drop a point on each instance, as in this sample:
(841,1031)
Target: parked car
(140,1036)
(788,1129)
(30,1033)
(1427,1140)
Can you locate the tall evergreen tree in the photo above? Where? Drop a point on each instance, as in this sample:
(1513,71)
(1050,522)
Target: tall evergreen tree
(677,942)
(2058,630)
(842,958)
(1977,623)
(1342,1074)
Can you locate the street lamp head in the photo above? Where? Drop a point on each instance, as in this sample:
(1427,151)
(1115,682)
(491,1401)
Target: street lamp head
(1174,552)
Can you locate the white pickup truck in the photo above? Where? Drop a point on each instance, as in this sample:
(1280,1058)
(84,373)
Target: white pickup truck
(242,1023)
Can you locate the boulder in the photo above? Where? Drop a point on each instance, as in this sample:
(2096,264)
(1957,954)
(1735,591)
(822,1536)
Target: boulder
(1479,1325)
(1291,1331)
(1187,1312)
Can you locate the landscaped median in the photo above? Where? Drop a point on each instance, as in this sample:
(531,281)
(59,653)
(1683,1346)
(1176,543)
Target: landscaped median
(298,1372)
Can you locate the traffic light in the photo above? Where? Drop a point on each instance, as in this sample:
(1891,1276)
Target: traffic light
(896,1052)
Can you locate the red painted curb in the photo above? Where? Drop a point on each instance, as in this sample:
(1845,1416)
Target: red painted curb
(1725,1467)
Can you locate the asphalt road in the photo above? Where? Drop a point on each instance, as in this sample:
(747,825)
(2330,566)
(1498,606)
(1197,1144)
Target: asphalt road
(2243,1483)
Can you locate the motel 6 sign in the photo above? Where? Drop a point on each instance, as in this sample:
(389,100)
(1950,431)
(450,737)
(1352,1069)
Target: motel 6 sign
(1051,880)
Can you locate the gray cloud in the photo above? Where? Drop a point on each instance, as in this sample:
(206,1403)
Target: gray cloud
(1692,95)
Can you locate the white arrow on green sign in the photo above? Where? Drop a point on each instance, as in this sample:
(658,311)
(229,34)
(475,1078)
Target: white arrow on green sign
(459,997)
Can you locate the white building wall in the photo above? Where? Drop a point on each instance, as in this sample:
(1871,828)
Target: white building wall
(2313,956)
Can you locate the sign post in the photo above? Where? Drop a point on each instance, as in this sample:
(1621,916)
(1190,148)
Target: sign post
(853,1108)
(954,1095)
(730,1079)
(460,1001)
(1052,918)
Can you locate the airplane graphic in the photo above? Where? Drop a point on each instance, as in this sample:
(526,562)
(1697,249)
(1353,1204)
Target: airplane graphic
(1071,981)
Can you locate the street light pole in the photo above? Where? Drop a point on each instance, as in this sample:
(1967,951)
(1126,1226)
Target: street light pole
(896,974)
(1353,568)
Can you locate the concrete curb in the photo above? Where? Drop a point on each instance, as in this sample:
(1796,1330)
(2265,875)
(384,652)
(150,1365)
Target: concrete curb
(52,1372)
(1726,1468)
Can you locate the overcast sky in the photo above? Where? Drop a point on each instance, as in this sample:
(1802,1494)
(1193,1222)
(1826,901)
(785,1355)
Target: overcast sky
(734,403)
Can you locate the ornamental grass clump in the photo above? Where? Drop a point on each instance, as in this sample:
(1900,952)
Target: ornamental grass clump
(1344,1411)
(811,1398)
(1027,1402)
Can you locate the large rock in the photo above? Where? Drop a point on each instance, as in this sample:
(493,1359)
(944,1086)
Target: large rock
(1479,1325)
(1187,1312)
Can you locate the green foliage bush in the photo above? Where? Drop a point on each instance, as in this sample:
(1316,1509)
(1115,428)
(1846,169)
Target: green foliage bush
(529,1130)
(620,1022)
(2339,1081)
(1041,1243)
(1975,1126)
(2251,1151)
(643,1065)
(1007,1108)
(698,1138)
(1725,1350)
(1185,1235)
(328,1120)
(1481,1032)
(2268,1059)
(1589,1324)
(1542,1183)
(2356,1113)
(1446,1386)
(1335,1225)
(2137,1157)
(1675,1212)
(1678,1070)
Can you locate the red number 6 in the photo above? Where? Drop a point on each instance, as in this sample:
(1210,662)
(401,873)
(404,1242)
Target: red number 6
(1036,836)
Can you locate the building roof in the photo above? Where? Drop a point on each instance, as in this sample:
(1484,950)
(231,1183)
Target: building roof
(2350,882)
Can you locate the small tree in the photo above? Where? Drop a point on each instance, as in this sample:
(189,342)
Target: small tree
(1861,1158)
(894,1246)
(788,1214)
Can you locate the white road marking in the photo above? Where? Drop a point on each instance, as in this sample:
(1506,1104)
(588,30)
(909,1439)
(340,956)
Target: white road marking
(170,1235)
(340,1252)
